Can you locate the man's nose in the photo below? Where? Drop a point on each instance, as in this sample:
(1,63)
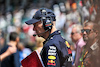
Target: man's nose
(84,32)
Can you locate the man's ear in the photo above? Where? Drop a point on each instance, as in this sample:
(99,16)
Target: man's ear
(17,39)
(96,33)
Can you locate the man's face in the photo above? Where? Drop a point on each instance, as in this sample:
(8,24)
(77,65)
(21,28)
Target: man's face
(38,28)
(88,33)
(74,35)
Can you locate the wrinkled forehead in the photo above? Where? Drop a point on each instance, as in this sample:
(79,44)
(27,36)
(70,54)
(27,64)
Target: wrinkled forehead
(88,25)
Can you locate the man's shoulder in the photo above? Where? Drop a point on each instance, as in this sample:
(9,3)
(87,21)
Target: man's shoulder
(4,49)
(55,41)
(57,38)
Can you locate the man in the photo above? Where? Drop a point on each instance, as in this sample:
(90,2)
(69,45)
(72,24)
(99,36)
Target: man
(90,55)
(77,38)
(54,52)
(11,60)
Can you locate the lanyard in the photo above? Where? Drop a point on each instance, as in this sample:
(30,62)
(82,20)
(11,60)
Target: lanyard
(84,54)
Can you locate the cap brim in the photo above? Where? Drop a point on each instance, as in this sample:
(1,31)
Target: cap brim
(32,21)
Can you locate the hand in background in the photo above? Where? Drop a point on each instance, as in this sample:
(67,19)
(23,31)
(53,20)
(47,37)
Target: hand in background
(8,52)
(11,50)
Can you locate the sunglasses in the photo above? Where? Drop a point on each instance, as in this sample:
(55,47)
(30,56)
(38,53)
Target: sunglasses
(72,33)
(86,30)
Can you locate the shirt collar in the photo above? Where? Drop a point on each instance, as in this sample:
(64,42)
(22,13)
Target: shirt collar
(94,46)
(51,35)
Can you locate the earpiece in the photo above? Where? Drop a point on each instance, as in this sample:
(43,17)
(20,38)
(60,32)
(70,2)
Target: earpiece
(46,20)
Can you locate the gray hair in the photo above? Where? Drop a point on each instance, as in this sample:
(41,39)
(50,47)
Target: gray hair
(78,27)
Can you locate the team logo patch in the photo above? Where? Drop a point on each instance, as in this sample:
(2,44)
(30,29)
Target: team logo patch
(52,57)
(51,64)
(51,61)
(67,44)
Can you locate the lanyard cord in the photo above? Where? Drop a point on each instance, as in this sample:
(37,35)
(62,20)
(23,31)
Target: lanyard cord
(84,54)
(81,59)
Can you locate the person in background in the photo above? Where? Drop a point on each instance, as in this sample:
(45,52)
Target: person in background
(39,43)
(8,52)
(77,38)
(55,53)
(13,59)
(2,39)
(23,51)
(75,16)
(90,55)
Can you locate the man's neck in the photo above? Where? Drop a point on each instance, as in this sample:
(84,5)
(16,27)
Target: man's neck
(49,32)
(53,30)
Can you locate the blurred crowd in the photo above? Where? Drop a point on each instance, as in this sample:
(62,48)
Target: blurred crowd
(13,15)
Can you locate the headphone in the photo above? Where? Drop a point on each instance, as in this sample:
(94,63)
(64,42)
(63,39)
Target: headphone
(46,20)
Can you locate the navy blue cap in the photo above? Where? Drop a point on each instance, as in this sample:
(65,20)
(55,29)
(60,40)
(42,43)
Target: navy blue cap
(38,15)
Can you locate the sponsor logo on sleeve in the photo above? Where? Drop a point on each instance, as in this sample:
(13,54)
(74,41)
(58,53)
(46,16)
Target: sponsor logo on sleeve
(52,57)
(70,59)
(69,51)
(52,50)
(67,44)
(51,62)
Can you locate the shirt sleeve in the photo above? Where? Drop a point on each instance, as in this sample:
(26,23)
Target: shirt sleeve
(68,62)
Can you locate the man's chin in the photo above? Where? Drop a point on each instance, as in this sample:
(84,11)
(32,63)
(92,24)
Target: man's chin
(85,39)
